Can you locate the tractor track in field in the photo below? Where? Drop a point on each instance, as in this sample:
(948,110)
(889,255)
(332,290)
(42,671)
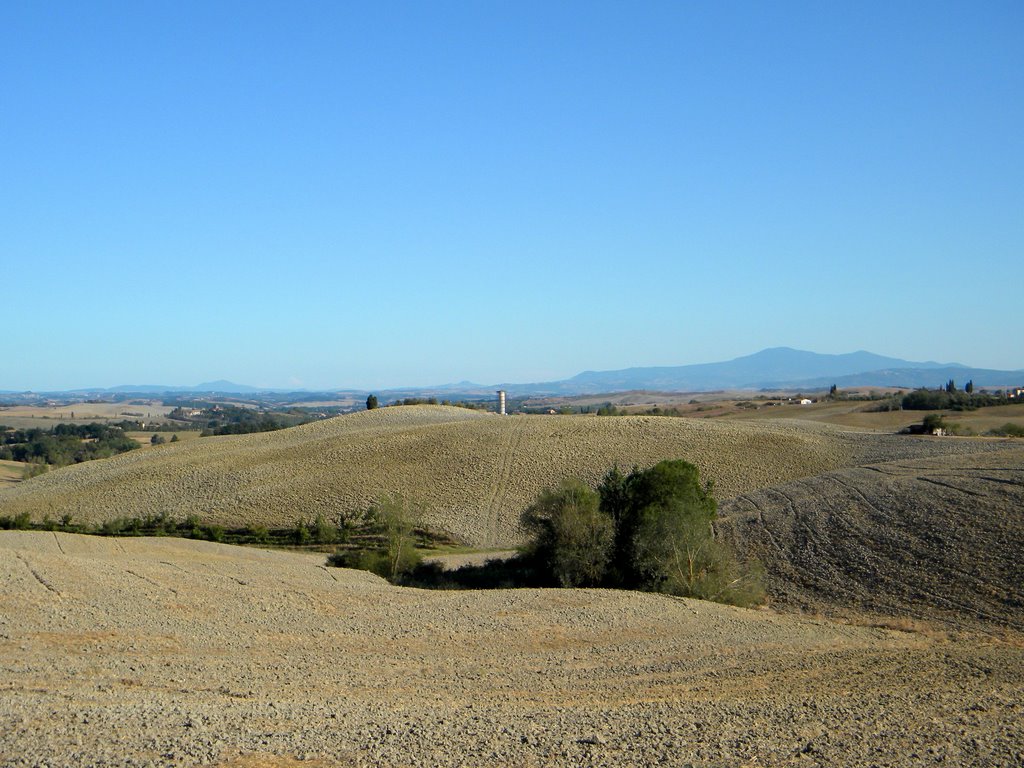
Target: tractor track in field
(504,477)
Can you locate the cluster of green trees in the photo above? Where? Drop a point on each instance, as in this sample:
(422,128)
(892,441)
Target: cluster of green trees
(315,533)
(951,398)
(224,419)
(392,529)
(649,530)
(234,420)
(64,444)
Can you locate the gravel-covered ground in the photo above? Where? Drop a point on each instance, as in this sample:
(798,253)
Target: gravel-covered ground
(175,653)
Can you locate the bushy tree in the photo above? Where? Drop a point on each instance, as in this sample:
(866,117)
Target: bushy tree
(371,402)
(324,531)
(396,518)
(572,538)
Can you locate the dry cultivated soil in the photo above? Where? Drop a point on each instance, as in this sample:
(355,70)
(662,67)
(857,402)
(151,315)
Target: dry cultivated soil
(474,471)
(894,633)
(171,653)
(935,539)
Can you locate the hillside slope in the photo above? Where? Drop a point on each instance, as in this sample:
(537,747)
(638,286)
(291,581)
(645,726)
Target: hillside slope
(476,472)
(131,652)
(936,539)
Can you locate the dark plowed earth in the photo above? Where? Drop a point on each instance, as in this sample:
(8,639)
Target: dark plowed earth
(937,539)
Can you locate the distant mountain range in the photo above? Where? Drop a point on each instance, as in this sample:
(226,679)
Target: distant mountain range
(222,386)
(776,368)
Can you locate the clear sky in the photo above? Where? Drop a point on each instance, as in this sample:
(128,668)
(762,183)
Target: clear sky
(380,194)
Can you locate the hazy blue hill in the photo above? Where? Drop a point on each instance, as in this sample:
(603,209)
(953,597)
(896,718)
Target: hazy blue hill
(770,367)
(226,387)
(921,377)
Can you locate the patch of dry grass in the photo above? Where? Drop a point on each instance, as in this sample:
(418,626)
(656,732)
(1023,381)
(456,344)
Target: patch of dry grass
(10,472)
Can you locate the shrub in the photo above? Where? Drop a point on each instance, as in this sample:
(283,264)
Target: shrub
(113,527)
(20,522)
(373,560)
(1009,429)
(396,518)
(34,469)
(393,521)
(324,532)
(301,534)
(572,537)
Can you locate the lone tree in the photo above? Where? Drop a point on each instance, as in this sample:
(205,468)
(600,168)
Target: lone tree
(396,519)
(371,402)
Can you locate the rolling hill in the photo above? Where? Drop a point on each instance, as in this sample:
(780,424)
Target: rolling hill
(475,472)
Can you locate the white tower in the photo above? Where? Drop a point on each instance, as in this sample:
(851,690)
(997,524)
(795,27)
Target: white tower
(501,402)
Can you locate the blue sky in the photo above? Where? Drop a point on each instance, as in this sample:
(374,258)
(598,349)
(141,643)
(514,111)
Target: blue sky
(383,194)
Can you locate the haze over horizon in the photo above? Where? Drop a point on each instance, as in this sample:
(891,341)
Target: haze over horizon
(778,364)
(316,196)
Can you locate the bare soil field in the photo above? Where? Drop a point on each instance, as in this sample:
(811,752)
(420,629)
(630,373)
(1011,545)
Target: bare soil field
(938,540)
(859,415)
(476,472)
(161,652)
